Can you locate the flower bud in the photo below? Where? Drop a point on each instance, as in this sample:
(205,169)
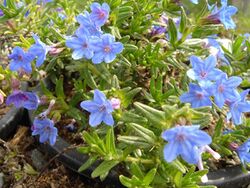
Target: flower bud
(55,51)
(233,146)
(115,103)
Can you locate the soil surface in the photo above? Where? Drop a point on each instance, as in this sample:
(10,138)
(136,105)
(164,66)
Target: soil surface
(23,166)
(3,109)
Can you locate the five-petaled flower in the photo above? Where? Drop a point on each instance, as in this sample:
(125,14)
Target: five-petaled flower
(20,60)
(80,44)
(225,89)
(197,96)
(99,14)
(238,106)
(45,128)
(105,48)
(20,98)
(203,71)
(185,141)
(243,152)
(100,109)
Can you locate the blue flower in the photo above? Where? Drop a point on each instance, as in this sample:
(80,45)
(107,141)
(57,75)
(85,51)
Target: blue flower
(100,109)
(243,152)
(86,23)
(225,89)
(197,96)
(185,141)
(216,50)
(27,100)
(105,48)
(238,106)
(203,71)
(45,129)
(80,44)
(223,15)
(20,60)
(99,14)
(39,50)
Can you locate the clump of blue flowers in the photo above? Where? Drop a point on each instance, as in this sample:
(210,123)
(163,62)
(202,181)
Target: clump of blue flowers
(214,83)
(89,41)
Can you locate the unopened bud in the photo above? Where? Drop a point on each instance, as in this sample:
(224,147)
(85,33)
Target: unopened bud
(233,146)
(55,51)
(116,103)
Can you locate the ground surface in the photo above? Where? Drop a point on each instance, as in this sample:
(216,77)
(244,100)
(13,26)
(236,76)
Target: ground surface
(23,166)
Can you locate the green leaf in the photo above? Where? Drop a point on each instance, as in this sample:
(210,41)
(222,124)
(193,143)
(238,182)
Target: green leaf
(88,163)
(110,141)
(124,12)
(149,176)
(115,32)
(134,140)
(178,179)
(237,44)
(83,149)
(45,91)
(177,164)
(147,134)
(172,32)
(59,88)
(130,47)
(218,128)
(103,168)
(125,181)
(136,170)
(29,169)
(156,117)
(183,20)
(130,117)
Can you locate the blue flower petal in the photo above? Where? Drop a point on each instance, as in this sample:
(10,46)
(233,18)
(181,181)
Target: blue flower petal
(95,119)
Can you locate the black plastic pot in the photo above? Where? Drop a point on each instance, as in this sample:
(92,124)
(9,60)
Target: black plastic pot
(10,121)
(231,177)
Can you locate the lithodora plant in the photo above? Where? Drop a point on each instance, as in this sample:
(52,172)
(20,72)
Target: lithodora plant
(153,86)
